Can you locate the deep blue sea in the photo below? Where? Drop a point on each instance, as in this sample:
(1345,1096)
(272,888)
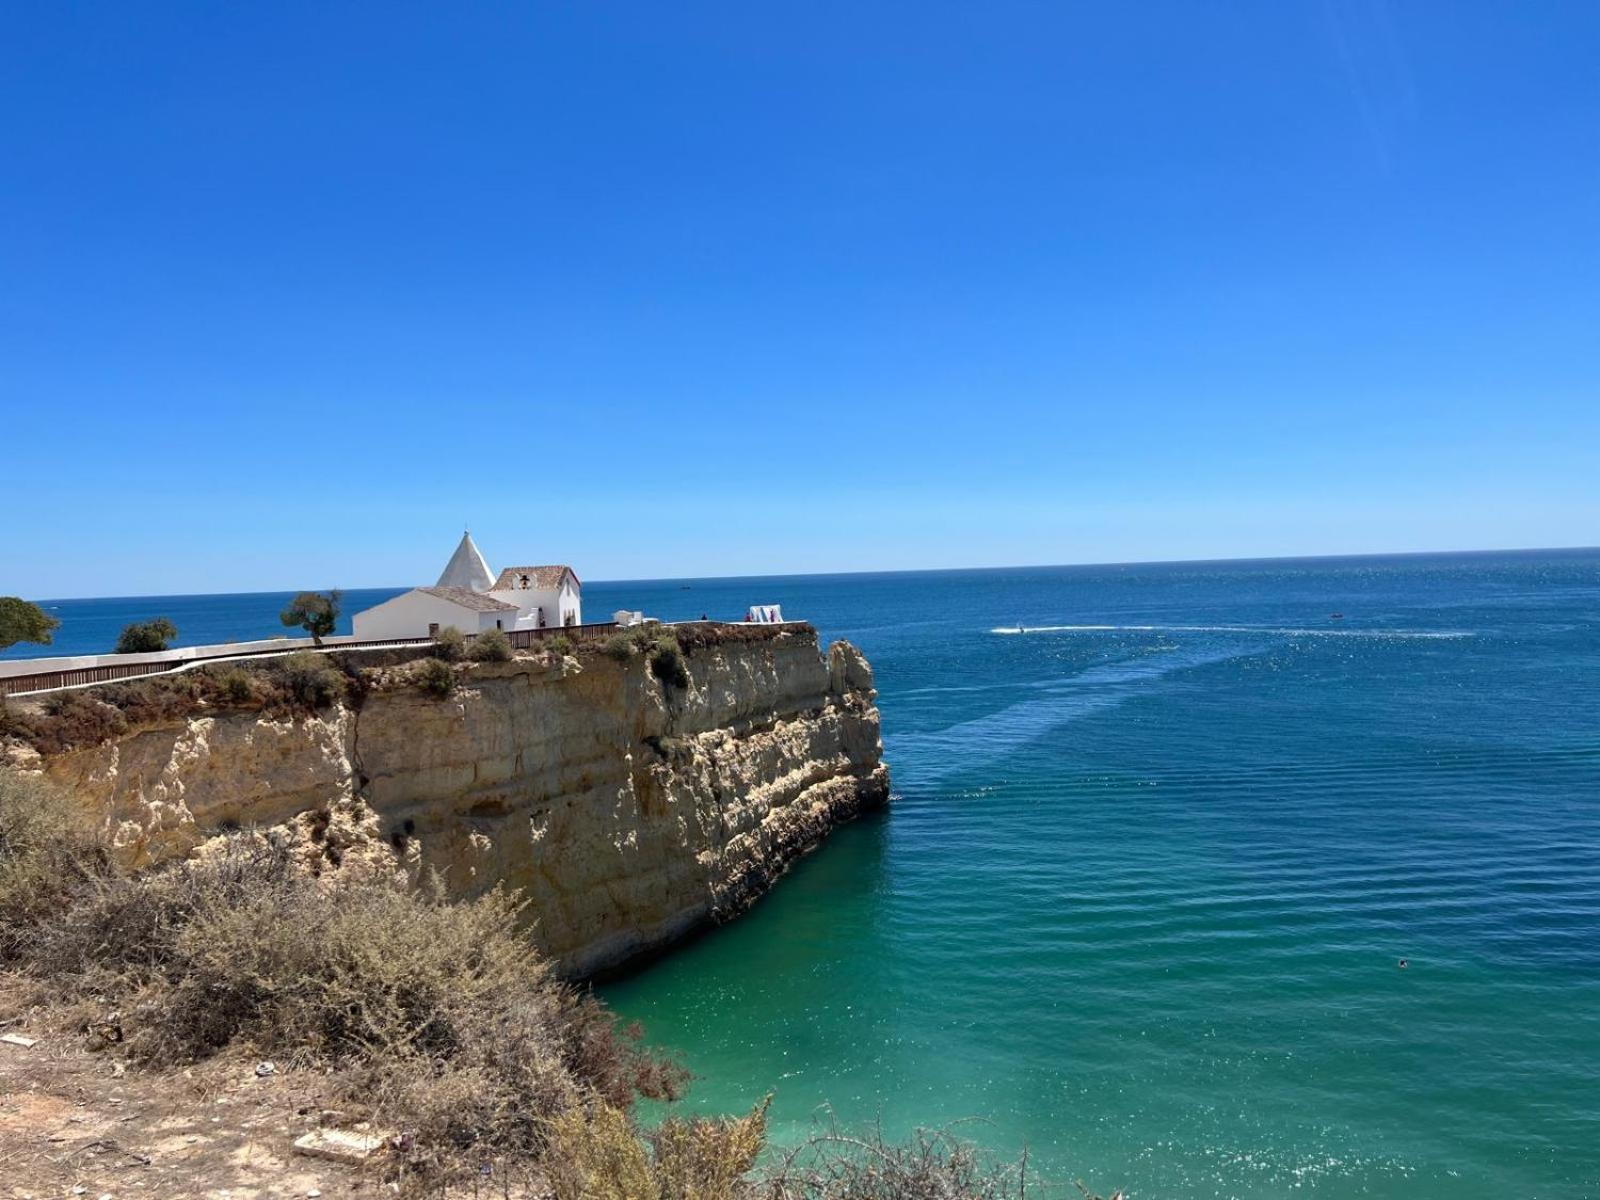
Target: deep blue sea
(1152,865)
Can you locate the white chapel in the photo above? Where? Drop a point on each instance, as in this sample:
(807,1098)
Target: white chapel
(473,598)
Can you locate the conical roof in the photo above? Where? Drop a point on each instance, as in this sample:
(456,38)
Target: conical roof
(466,568)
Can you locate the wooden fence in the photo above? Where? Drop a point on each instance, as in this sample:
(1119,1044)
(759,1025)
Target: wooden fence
(44,681)
(521,639)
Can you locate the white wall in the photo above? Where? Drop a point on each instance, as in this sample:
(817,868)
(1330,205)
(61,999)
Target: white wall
(409,616)
(571,602)
(556,602)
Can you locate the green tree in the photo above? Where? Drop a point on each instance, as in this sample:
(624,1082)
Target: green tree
(145,637)
(24,622)
(314,612)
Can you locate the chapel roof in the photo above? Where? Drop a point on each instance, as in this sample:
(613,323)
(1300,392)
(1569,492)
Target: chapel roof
(467,598)
(467,568)
(543,579)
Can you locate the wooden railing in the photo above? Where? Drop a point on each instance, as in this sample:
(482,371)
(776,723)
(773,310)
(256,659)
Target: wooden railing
(522,639)
(44,681)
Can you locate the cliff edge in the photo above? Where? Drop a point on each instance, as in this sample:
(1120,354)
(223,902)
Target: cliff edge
(626,808)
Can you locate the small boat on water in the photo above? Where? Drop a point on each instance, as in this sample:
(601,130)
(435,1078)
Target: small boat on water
(1335,616)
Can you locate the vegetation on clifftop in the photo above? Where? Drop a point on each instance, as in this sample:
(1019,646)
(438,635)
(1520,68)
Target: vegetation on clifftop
(146,637)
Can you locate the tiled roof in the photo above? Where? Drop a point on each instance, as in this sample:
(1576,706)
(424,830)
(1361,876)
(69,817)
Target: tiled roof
(543,579)
(467,598)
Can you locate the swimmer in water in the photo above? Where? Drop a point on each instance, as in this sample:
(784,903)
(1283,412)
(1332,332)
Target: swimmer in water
(1403,964)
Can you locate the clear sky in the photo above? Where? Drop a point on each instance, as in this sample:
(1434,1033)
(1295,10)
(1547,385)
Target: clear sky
(290,293)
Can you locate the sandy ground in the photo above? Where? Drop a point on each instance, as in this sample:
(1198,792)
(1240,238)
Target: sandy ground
(80,1123)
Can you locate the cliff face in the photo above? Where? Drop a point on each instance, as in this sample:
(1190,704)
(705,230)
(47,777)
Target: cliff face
(625,811)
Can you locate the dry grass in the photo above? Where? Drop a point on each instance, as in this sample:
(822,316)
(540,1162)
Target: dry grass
(47,853)
(430,1016)
(931,1165)
(598,1155)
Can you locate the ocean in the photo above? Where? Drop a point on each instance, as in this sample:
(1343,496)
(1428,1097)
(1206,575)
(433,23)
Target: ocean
(1153,863)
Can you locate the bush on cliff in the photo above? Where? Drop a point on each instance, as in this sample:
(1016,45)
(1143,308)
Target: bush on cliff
(308,679)
(450,644)
(146,637)
(434,676)
(69,720)
(235,686)
(490,646)
(666,661)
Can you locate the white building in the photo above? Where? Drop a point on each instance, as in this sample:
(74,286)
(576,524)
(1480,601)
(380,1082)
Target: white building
(543,596)
(423,612)
(470,597)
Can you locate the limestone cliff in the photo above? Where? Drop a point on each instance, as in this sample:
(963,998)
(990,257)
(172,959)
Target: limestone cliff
(626,811)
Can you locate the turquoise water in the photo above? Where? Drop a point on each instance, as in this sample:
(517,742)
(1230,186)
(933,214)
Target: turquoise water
(1152,864)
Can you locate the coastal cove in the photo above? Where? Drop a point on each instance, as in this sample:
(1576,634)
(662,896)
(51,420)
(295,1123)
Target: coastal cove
(1140,898)
(1160,838)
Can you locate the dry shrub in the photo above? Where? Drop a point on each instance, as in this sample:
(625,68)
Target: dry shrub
(492,645)
(48,850)
(619,647)
(70,720)
(235,687)
(151,701)
(434,676)
(308,680)
(703,1159)
(597,1156)
(450,644)
(931,1165)
(435,1015)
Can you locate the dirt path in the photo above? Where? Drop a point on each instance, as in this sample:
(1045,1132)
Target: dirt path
(75,1123)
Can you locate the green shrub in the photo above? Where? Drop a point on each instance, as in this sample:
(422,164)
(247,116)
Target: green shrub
(236,687)
(435,676)
(667,662)
(492,645)
(146,637)
(619,647)
(559,644)
(450,644)
(309,680)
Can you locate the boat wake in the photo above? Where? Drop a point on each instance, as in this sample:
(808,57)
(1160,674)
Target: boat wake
(1276,630)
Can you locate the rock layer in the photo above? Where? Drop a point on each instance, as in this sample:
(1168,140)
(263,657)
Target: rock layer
(626,812)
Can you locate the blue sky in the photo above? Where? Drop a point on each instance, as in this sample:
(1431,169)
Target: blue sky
(293,292)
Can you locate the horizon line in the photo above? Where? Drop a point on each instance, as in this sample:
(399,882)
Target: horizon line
(1149,562)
